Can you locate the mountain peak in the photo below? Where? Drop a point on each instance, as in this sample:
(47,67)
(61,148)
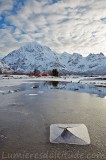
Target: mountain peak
(35,46)
(98,55)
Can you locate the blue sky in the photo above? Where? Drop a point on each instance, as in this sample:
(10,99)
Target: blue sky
(63,25)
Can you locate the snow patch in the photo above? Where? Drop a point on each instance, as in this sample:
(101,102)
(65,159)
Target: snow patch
(32,94)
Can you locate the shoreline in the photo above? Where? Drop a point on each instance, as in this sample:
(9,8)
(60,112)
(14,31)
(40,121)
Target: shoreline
(77,84)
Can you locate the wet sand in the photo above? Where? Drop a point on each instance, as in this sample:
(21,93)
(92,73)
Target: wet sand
(25,120)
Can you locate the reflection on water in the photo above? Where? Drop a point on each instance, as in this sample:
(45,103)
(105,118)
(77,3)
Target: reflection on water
(53,83)
(86,88)
(48,85)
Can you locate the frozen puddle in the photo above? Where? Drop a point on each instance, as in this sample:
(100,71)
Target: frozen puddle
(8,92)
(40,92)
(31,94)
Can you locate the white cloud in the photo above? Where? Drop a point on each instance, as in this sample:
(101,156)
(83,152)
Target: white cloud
(68,25)
(5,6)
(7,41)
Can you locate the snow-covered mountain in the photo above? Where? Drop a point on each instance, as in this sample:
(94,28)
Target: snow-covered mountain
(4,68)
(92,64)
(33,56)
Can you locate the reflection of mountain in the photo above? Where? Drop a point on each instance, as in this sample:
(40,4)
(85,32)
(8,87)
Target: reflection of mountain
(34,56)
(86,88)
(54,83)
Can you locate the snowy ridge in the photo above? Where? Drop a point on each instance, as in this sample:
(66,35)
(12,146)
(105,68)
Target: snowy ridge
(33,56)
